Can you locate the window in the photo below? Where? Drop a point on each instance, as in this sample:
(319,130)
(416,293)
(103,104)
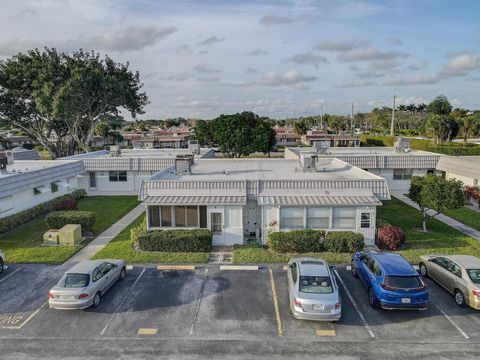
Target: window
(344,218)
(291,218)
(474,275)
(376,269)
(455,269)
(116,176)
(166,216)
(203,217)
(402,174)
(315,284)
(154,216)
(293,271)
(318,218)
(53,187)
(404,282)
(97,274)
(180,216)
(93,180)
(216,225)
(365,220)
(192,216)
(106,268)
(75,280)
(475,182)
(442,262)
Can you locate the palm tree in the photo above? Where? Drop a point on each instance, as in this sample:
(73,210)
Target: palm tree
(469,127)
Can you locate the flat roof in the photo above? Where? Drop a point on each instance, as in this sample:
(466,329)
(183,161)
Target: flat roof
(136,153)
(267,169)
(361,151)
(27,166)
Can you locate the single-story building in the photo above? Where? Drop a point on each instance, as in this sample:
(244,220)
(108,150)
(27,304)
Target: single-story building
(242,199)
(24,183)
(463,168)
(333,140)
(397,167)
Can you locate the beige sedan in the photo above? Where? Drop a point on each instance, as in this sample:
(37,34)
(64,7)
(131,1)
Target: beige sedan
(458,274)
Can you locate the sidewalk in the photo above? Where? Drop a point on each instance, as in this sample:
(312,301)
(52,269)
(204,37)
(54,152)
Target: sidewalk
(104,238)
(467,230)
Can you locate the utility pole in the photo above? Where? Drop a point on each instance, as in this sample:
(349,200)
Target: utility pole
(392,125)
(321,116)
(351,120)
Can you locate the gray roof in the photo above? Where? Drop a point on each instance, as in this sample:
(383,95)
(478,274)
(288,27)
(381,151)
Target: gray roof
(23,175)
(468,166)
(24,154)
(195,200)
(319,200)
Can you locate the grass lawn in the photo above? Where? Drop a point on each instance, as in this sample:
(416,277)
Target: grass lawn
(440,237)
(121,248)
(465,215)
(24,244)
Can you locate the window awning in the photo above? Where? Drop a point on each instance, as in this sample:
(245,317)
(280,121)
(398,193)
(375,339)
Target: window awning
(298,200)
(61,183)
(42,189)
(195,200)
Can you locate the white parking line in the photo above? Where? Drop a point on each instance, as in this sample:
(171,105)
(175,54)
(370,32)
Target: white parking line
(122,302)
(464,334)
(30,317)
(365,324)
(6,277)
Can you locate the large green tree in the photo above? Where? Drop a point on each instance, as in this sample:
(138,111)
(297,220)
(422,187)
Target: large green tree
(69,94)
(469,126)
(440,106)
(433,192)
(265,138)
(203,131)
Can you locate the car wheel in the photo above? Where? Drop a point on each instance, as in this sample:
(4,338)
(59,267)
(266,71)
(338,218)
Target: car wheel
(423,270)
(97,299)
(123,273)
(459,298)
(1,266)
(372,298)
(353,270)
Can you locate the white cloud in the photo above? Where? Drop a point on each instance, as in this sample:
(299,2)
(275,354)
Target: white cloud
(422,65)
(307,58)
(415,80)
(275,20)
(289,78)
(462,64)
(211,40)
(370,53)
(205,69)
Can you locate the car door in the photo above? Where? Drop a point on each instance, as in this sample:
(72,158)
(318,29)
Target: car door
(109,274)
(435,268)
(443,274)
(453,277)
(362,269)
(292,281)
(98,281)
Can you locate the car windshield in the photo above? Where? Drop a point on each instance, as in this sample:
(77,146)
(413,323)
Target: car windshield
(315,284)
(75,280)
(474,275)
(403,282)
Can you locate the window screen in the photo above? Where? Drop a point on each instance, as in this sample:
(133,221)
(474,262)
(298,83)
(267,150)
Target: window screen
(154,216)
(291,218)
(318,218)
(180,219)
(344,218)
(166,216)
(192,216)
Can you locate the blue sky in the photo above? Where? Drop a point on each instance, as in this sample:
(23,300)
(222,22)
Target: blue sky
(277,58)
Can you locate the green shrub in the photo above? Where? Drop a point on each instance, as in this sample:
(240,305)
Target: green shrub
(136,231)
(10,222)
(298,241)
(58,219)
(196,240)
(344,241)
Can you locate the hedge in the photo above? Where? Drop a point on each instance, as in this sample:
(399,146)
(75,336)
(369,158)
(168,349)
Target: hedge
(296,241)
(344,242)
(196,240)
(390,238)
(10,222)
(66,205)
(58,219)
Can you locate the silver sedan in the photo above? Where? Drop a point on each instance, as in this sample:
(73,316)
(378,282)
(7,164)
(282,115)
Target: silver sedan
(85,283)
(313,290)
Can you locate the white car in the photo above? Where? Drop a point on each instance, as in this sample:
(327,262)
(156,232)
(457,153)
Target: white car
(2,261)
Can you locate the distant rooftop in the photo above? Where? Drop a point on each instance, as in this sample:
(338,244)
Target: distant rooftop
(361,151)
(136,153)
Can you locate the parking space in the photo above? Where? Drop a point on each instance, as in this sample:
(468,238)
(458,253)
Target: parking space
(210,303)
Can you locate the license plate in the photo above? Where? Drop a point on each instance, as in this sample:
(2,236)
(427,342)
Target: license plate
(406,300)
(67,297)
(319,307)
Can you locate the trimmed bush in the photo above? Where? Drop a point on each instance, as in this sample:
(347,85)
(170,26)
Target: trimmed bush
(196,240)
(140,229)
(297,241)
(390,238)
(11,222)
(58,219)
(66,205)
(344,242)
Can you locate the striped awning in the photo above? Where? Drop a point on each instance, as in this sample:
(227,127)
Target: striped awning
(195,200)
(298,200)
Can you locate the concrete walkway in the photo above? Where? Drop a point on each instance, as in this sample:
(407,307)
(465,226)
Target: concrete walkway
(467,230)
(104,238)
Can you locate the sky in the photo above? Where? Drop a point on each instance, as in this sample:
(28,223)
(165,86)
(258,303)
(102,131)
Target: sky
(291,58)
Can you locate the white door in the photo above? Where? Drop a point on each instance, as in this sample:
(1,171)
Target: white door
(216,227)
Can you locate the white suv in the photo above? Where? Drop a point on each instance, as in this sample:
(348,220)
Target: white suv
(2,261)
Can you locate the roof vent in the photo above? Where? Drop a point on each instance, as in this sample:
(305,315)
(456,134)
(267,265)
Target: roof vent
(402,145)
(115,151)
(183,164)
(308,162)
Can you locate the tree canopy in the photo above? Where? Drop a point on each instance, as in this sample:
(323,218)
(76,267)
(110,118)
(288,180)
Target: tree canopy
(42,92)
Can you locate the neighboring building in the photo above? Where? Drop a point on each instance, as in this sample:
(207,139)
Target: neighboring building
(13,141)
(463,168)
(24,154)
(396,167)
(24,184)
(285,136)
(240,199)
(333,140)
(162,142)
(122,172)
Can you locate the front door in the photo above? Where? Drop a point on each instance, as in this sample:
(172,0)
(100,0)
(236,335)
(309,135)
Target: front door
(216,227)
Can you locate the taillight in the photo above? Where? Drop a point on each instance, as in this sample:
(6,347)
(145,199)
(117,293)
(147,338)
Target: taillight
(297,303)
(476,293)
(338,305)
(50,295)
(83,296)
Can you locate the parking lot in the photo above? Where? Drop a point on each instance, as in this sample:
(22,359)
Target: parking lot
(213,304)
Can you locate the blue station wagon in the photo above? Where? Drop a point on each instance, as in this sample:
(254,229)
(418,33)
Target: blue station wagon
(391,282)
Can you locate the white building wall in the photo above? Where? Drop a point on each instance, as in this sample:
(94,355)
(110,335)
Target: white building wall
(466,180)
(107,187)
(26,199)
(399,185)
(232,217)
